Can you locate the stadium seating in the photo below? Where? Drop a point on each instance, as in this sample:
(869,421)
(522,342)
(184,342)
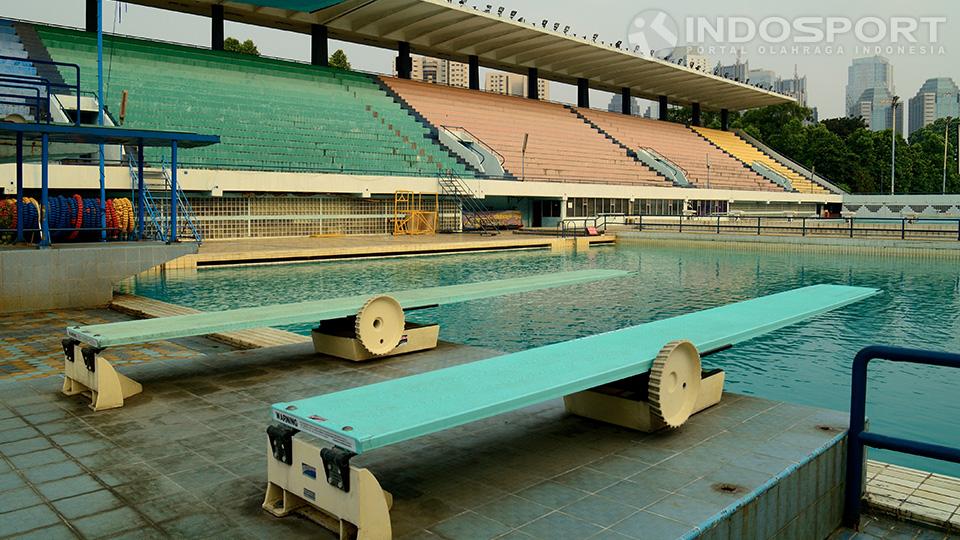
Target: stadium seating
(561,146)
(744,151)
(684,148)
(11,46)
(271,115)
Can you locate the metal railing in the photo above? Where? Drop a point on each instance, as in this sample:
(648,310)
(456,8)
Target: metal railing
(787,225)
(577,226)
(859,437)
(480,142)
(36,80)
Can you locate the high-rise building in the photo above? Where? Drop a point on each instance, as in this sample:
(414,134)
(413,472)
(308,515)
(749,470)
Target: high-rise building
(795,87)
(512,84)
(739,71)
(864,74)
(937,98)
(875,106)
(765,78)
(688,56)
(616,105)
(438,71)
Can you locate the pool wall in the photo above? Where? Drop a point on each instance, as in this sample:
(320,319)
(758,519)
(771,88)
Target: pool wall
(912,248)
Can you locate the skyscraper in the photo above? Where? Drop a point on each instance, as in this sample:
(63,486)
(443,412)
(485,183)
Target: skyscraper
(865,74)
(512,84)
(937,98)
(439,71)
(875,106)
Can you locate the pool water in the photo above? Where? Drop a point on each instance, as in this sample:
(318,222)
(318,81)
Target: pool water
(807,363)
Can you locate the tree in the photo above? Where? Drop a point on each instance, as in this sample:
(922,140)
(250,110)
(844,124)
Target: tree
(844,126)
(339,60)
(232,44)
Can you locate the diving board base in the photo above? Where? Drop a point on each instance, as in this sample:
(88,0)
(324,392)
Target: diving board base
(301,487)
(86,372)
(621,405)
(339,340)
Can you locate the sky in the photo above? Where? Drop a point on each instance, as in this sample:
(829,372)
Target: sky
(824,63)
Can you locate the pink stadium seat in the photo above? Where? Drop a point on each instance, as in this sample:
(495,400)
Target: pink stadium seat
(561,146)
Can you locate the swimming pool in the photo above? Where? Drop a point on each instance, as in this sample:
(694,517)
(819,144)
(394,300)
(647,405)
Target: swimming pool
(808,363)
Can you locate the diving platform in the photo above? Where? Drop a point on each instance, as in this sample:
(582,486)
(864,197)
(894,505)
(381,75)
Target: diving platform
(658,361)
(358,328)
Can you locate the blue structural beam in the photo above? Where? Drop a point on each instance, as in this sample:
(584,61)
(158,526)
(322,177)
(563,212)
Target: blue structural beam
(109,135)
(141,195)
(173,192)
(44,190)
(377,415)
(100,98)
(19,187)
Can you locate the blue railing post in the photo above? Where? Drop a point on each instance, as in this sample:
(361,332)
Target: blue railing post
(19,187)
(173,192)
(858,438)
(141,198)
(44,190)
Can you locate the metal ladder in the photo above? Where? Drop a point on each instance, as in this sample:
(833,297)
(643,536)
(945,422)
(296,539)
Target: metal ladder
(157,196)
(451,185)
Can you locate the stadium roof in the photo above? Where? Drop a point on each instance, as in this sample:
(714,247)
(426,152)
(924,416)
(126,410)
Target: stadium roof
(444,29)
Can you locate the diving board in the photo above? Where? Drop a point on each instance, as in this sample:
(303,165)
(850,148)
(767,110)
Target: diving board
(357,327)
(366,418)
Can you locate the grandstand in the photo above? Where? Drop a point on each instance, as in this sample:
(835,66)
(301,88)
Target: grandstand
(706,165)
(749,154)
(310,149)
(271,115)
(560,146)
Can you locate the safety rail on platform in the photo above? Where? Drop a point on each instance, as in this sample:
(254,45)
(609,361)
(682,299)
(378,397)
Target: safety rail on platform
(902,228)
(858,436)
(35,81)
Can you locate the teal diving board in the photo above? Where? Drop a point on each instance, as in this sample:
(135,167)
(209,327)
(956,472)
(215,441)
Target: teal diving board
(144,331)
(369,417)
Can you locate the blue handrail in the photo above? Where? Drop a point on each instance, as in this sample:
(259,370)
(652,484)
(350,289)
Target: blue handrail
(859,438)
(75,67)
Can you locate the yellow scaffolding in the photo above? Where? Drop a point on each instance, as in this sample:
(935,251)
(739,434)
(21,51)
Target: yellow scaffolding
(409,215)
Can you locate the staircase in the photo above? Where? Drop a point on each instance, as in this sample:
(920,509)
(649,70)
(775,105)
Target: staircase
(157,197)
(451,185)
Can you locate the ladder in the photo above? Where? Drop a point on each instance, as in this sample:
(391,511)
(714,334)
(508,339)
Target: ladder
(157,197)
(451,185)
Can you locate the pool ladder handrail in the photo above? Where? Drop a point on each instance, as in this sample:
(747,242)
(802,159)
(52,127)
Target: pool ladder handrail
(858,437)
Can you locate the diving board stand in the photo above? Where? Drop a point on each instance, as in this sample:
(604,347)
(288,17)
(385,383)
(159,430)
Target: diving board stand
(317,480)
(358,328)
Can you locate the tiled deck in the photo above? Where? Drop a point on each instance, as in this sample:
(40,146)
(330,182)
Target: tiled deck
(302,249)
(914,495)
(187,457)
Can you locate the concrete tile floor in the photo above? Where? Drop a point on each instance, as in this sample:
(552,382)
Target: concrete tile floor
(187,457)
(875,526)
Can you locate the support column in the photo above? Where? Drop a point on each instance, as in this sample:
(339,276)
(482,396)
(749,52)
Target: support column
(216,34)
(724,119)
(663,108)
(533,83)
(141,196)
(404,62)
(173,192)
(696,114)
(19,187)
(474,72)
(44,190)
(91,16)
(583,93)
(319,45)
(626,102)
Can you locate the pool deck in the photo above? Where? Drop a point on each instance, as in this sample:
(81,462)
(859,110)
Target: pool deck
(187,458)
(279,250)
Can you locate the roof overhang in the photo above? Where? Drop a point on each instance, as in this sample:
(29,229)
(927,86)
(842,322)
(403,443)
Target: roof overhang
(447,30)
